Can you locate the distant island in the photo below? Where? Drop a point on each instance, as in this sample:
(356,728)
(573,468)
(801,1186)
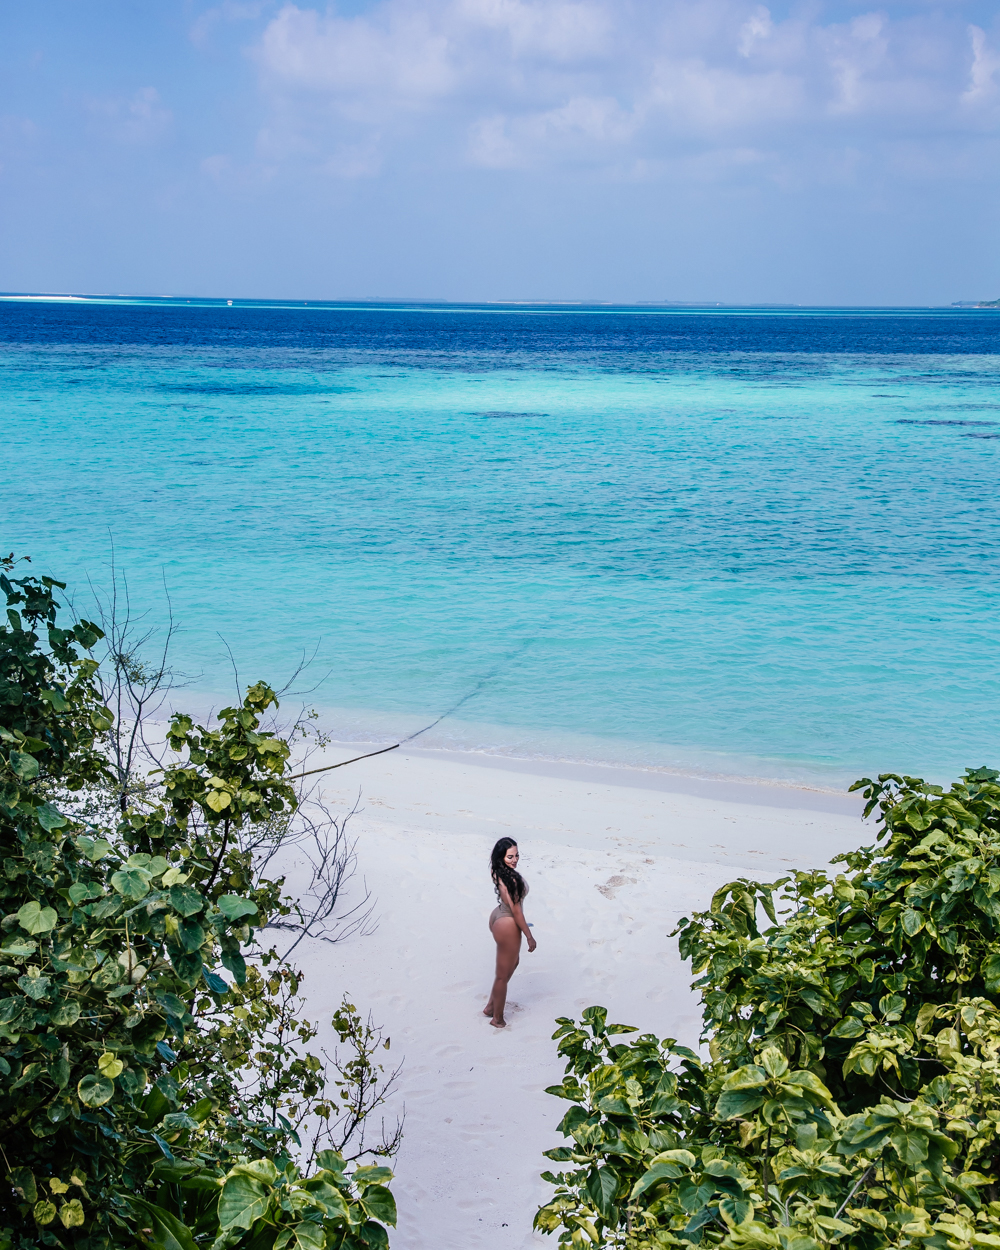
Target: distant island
(976,303)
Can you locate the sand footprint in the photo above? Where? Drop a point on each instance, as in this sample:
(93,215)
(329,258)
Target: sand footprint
(459,987)
(611,886)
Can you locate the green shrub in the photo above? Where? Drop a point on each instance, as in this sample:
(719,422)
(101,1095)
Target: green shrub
(123,1116)
(850,1095)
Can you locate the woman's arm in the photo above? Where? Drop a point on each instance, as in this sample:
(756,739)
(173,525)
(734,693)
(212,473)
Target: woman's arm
(517,911)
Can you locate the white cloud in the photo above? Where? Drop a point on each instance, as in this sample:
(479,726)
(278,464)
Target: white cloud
(627,84)
(229,11)
(560,31)
(985,63)
(757,26)
(140,119)
(403,57)
(694,98)
(855,54)
(582,130)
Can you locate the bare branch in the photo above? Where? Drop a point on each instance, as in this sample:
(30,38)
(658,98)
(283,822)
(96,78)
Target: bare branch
(322,840)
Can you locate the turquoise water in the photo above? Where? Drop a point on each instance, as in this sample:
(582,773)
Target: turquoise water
(746,543)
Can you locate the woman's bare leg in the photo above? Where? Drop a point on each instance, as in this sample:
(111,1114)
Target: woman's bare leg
(507,936)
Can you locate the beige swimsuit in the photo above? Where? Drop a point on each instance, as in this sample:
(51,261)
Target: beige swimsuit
(504,910)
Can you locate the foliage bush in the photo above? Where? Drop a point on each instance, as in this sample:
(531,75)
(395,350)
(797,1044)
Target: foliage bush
(128,1115)
(851,1091)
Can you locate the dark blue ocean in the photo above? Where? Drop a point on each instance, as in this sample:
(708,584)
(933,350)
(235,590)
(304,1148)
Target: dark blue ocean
(755,542)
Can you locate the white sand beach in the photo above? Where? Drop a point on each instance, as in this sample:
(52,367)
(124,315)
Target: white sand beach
(613,858)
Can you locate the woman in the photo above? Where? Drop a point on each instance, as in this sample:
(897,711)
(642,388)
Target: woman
(507,923)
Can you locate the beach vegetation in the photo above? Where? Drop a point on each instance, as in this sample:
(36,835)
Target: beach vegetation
(159,1085)
(847,1088)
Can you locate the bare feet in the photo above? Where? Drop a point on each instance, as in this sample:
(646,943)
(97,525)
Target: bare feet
(499,1024)
(488,1009)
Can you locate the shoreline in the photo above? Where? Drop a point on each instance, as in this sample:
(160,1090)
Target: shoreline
(748,789)
(523,748)
(709,822)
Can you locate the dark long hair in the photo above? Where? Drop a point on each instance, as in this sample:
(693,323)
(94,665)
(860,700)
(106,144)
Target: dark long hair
(500,871)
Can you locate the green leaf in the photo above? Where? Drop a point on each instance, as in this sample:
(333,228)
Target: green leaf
(218,800)
(187,966)
(236,964)
(810,1084)
(168,1231)
(186,900)
(94,848)
(66,1013)
(131,883)
(735,1211)
(55,698)
(34,918)
(71,1213)
(35,987)
(243,1200)
(202,1110)
(110,1065)
(705,1216)
(654,1176)
(684,1157)
(772,1061)
(370,1174)
(11,1008)
(95,1091)
(172,1005)
(79,893)
(911,1145)
(991,972)
(850,1026)
(748,1077)
(723,1168)
(320,1188)
(191,934)
(49,818)
(602,1185)
(614,1106)
(373,1236)
(44,1212)
(310,1236)
(739,1103)
(23,1180)
(233,907)
(813,1000)
(108,974)
(380,1204)
(177,1121)
(24,766)
(862,1135)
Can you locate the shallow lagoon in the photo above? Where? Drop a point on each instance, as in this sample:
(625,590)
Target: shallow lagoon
(762,543)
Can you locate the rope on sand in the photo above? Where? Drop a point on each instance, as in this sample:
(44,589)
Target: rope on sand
(495,671)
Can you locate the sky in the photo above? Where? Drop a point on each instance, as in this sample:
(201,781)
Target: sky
(622,150)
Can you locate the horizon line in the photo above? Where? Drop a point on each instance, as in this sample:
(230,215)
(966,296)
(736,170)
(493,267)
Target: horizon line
(222,301)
